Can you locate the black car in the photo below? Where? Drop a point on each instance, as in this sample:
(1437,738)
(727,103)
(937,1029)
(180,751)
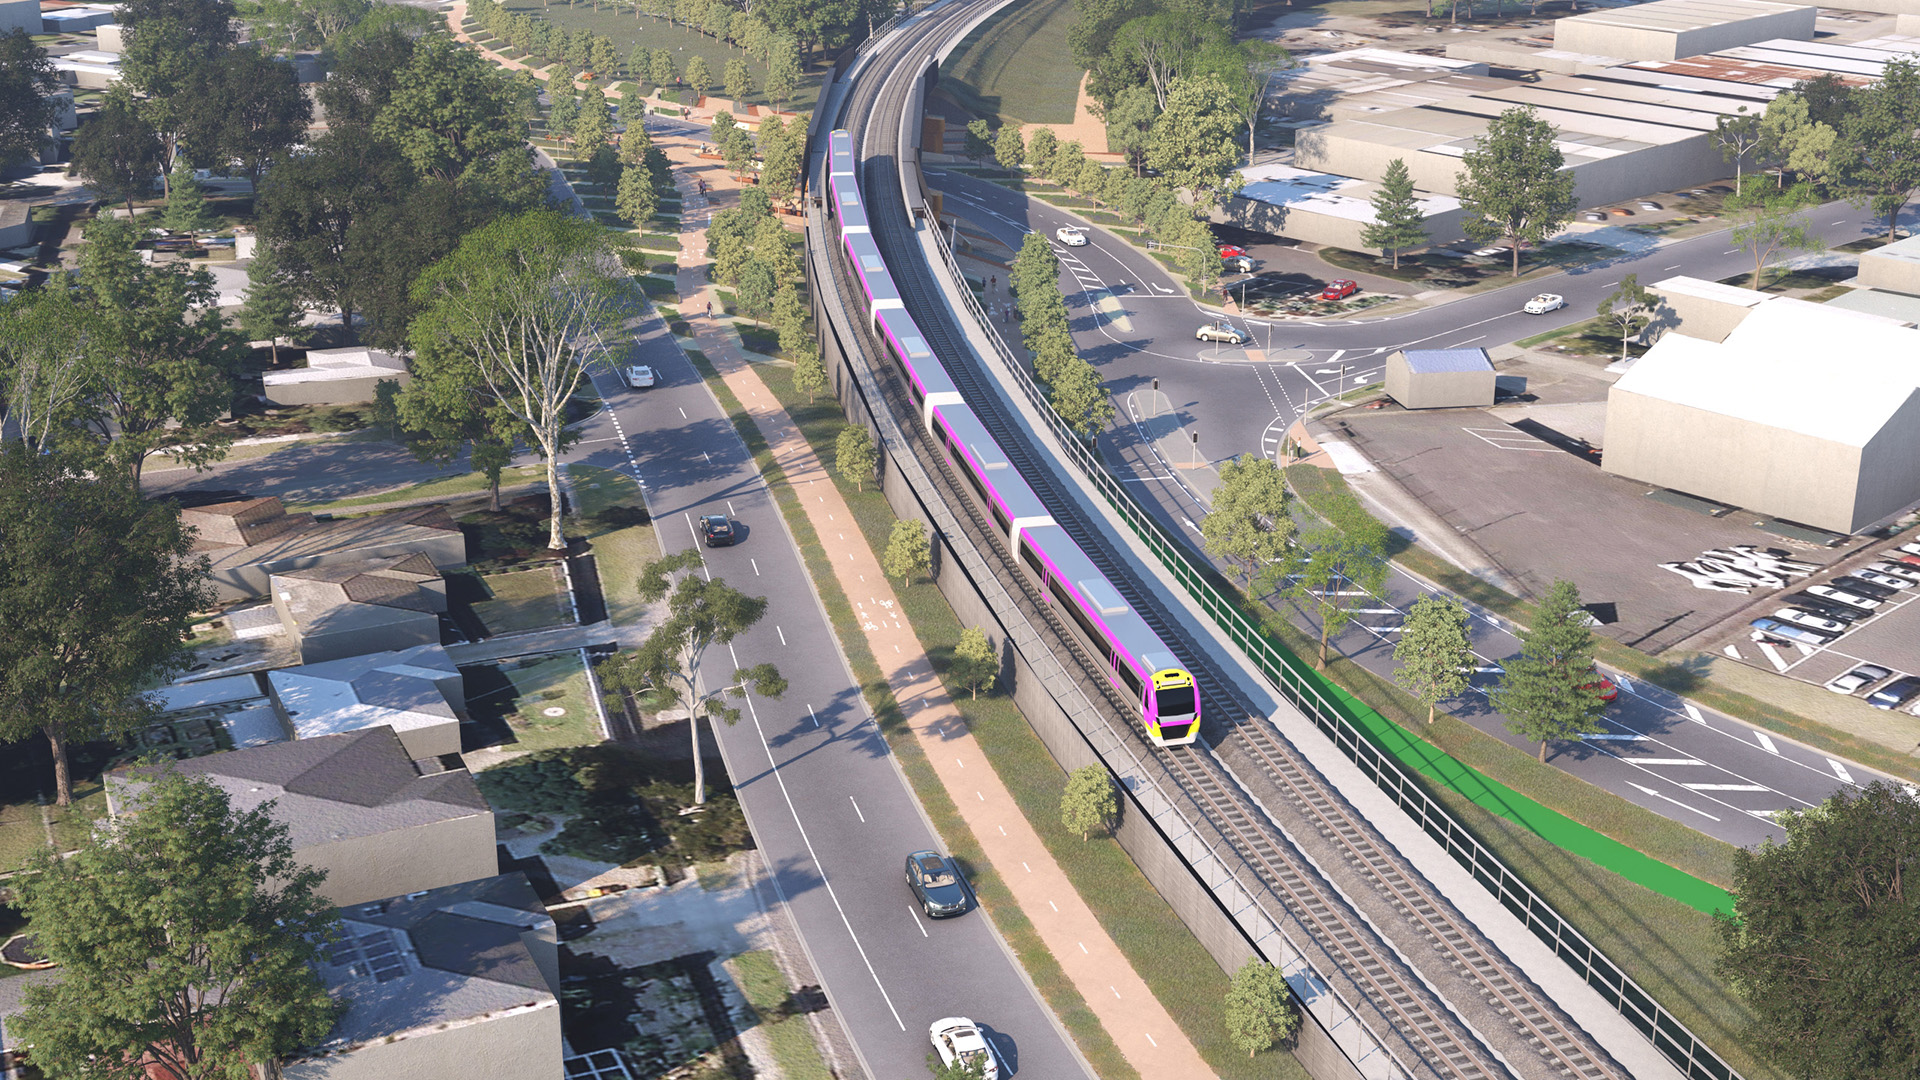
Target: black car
(1858,587)
(936,883)
(1832,609)
(716,530)
(1896,693)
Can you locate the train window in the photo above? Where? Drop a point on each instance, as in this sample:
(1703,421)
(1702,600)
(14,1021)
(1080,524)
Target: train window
(1000,516)
(1127,676)
(978,488)
(1175,700)
(914,389)
(1032,557)
(940,429)
(1072,607)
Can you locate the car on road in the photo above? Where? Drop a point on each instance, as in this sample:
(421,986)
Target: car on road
(637,376)
(958,1042)
(1859,586)
(1884,580)
(1840,594)
(1798,617)
(1769,627)
(936,884)
(1339,289)
(1906,571)
(1070,236)
(717,530)
(1221,330)
(1858,679)
(1544,303)
(1896,693)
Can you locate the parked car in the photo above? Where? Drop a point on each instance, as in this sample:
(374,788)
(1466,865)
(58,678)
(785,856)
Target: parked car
(717,530)
(1593,215)
(1544,303)
(1904,570)
(1910,548)
(1885,581)
(1910,560)
(1488,252)
(1832,609)
(1799,617)
(936,883)
(1840,594)
(1232,251)
(1858,679)
(1221,330)
(1896,693)
(1648,204)
(1859,586)
(1604,687)
(1775,628)
(637,376)
(1339,289)
(1070,236)
(1239,264)
(958,1042)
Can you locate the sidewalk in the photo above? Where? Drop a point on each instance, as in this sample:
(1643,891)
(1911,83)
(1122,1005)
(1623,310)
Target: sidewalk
(1132,1016)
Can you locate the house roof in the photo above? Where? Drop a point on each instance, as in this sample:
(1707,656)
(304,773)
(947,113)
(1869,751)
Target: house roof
(1780,368)
(1437,361)
(414,964)
(352,595)
(330,788)
(400,690)
(305,538)
(329,365)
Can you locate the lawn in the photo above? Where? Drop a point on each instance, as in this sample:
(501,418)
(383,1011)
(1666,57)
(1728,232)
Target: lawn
(26,776)
(614,520)
(464,484)
(1595,337)
(766,990)
(510,702)
(1182,975)
(512,601)
(1016,66)
(627,30)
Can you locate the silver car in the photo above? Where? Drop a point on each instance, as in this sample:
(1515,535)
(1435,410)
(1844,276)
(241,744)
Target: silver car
(1799,617)
(1222,331)
(1858,679)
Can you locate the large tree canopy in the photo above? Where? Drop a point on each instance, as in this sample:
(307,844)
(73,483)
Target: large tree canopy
(26,108)
(451,111)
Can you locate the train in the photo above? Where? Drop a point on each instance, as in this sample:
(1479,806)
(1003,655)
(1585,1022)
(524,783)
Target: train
(1139,665)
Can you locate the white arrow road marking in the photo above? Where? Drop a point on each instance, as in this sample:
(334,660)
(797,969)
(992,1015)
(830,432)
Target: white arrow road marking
(1766,743)
(1675,802)
(1840,771)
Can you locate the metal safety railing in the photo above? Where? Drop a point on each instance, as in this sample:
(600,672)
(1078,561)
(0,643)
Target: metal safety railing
(1686,1050)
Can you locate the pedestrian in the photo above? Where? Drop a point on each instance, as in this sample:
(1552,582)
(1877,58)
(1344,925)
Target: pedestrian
(993,282)
(709,309)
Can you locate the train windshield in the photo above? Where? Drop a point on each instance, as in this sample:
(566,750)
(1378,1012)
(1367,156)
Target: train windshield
(1174,702)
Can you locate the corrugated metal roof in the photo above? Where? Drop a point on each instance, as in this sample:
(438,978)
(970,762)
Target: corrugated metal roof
(1434,361)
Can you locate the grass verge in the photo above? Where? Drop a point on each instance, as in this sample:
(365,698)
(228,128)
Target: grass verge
(766,990)
(464,484)
(1181,974)
(517,600)
(606,499)
(1011,65)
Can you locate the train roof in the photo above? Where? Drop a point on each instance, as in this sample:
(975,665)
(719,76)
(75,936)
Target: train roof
(871,267)
(1125,628)
(840,152)
(998,473)
(853,215)
(905,334)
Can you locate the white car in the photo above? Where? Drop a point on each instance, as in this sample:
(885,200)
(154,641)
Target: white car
(1909,549)
(1884,580)
(1070,236)
(1858,679)
(1490,252)
(638,376)
(1906,571)
(958,1041)
(1842,596)
(1808,619)
(1544,303)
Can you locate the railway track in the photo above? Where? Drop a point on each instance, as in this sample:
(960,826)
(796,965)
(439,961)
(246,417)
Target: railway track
(1491,1021)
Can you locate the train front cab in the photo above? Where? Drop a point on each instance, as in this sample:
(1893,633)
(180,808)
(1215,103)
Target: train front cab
(1171,704)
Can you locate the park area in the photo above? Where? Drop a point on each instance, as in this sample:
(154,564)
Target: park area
(1016,66)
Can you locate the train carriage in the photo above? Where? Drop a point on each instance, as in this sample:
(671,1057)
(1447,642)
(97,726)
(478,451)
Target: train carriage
(1000,487)
(926,376)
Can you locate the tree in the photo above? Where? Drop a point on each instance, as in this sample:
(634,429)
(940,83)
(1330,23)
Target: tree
(1823,937)
(908,552)
(1737,135)
(1791,135)
(1434,652)
(1259,1007)
(738,151)
(783,72)
(809,374)
(1077,394)
(1161,49)
(522,304)
(258,111)
(186,934)
(721,127)
(1628,308)
(171,47)
(1771,228)
(27,85)
(186,204)
(1092,181)
(1088,803)
(661,68)
(1398,222)
(45,377)
(452,111)
(636,200)
(1068,161)
(1195,143)
(1550,691)
(1877,158)
(1039,153)
(1130,125)
(593,122)
(365,71)
(271,310)
(1009,149)
(975,665)
(97,589)
(602,55)
(702,614)
(781,151)
(698,76)
(1344,567)
(116,153)
(853,455)
(1251,522)
(739,79)
(979,139)
(1514,186)
(756,288)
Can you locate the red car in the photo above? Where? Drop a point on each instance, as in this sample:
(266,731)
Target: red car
(1231,251)
(1339,289)
(1910,560)
(1604,688)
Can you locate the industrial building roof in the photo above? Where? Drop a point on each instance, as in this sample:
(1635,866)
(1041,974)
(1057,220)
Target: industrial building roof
(1887,305)
(1437,361)
(1907,250)
(1675,16)
(1325,193)
(1710,290)
(1780,368)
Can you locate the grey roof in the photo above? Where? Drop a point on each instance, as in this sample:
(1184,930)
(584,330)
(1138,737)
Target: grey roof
(1433,361)
(415,963)
(333,787)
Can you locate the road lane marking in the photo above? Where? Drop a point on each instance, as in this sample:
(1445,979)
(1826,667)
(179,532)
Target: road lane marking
(683,413)
(1027,868)
(756,566)
(916,920)
(1082,944)
(1618,738)
(856,806)
(1116,993)
(1840,770)
(1766,743)
(1675,266)
(1664,761)
(1150,1039)
(1724,787)
(782,633)
(1675,802)
(816,721)
(1692,712)
(1053,905)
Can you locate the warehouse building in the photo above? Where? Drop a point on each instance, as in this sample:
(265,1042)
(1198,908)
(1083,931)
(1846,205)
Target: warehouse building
(1776,419)
(1893,268)
(1671,29)
(1440,378)
(1321,208)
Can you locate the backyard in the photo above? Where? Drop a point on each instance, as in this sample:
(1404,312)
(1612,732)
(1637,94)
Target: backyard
(509,601)
(530,703)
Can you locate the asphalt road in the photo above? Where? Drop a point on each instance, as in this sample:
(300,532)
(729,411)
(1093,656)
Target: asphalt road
(1700,767)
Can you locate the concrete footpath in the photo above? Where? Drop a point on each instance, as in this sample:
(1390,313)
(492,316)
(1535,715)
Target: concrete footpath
(1132,1016)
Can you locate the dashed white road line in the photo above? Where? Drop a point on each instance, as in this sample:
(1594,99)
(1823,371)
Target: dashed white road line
(1840,771)
(1725,787)
(1766,743)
